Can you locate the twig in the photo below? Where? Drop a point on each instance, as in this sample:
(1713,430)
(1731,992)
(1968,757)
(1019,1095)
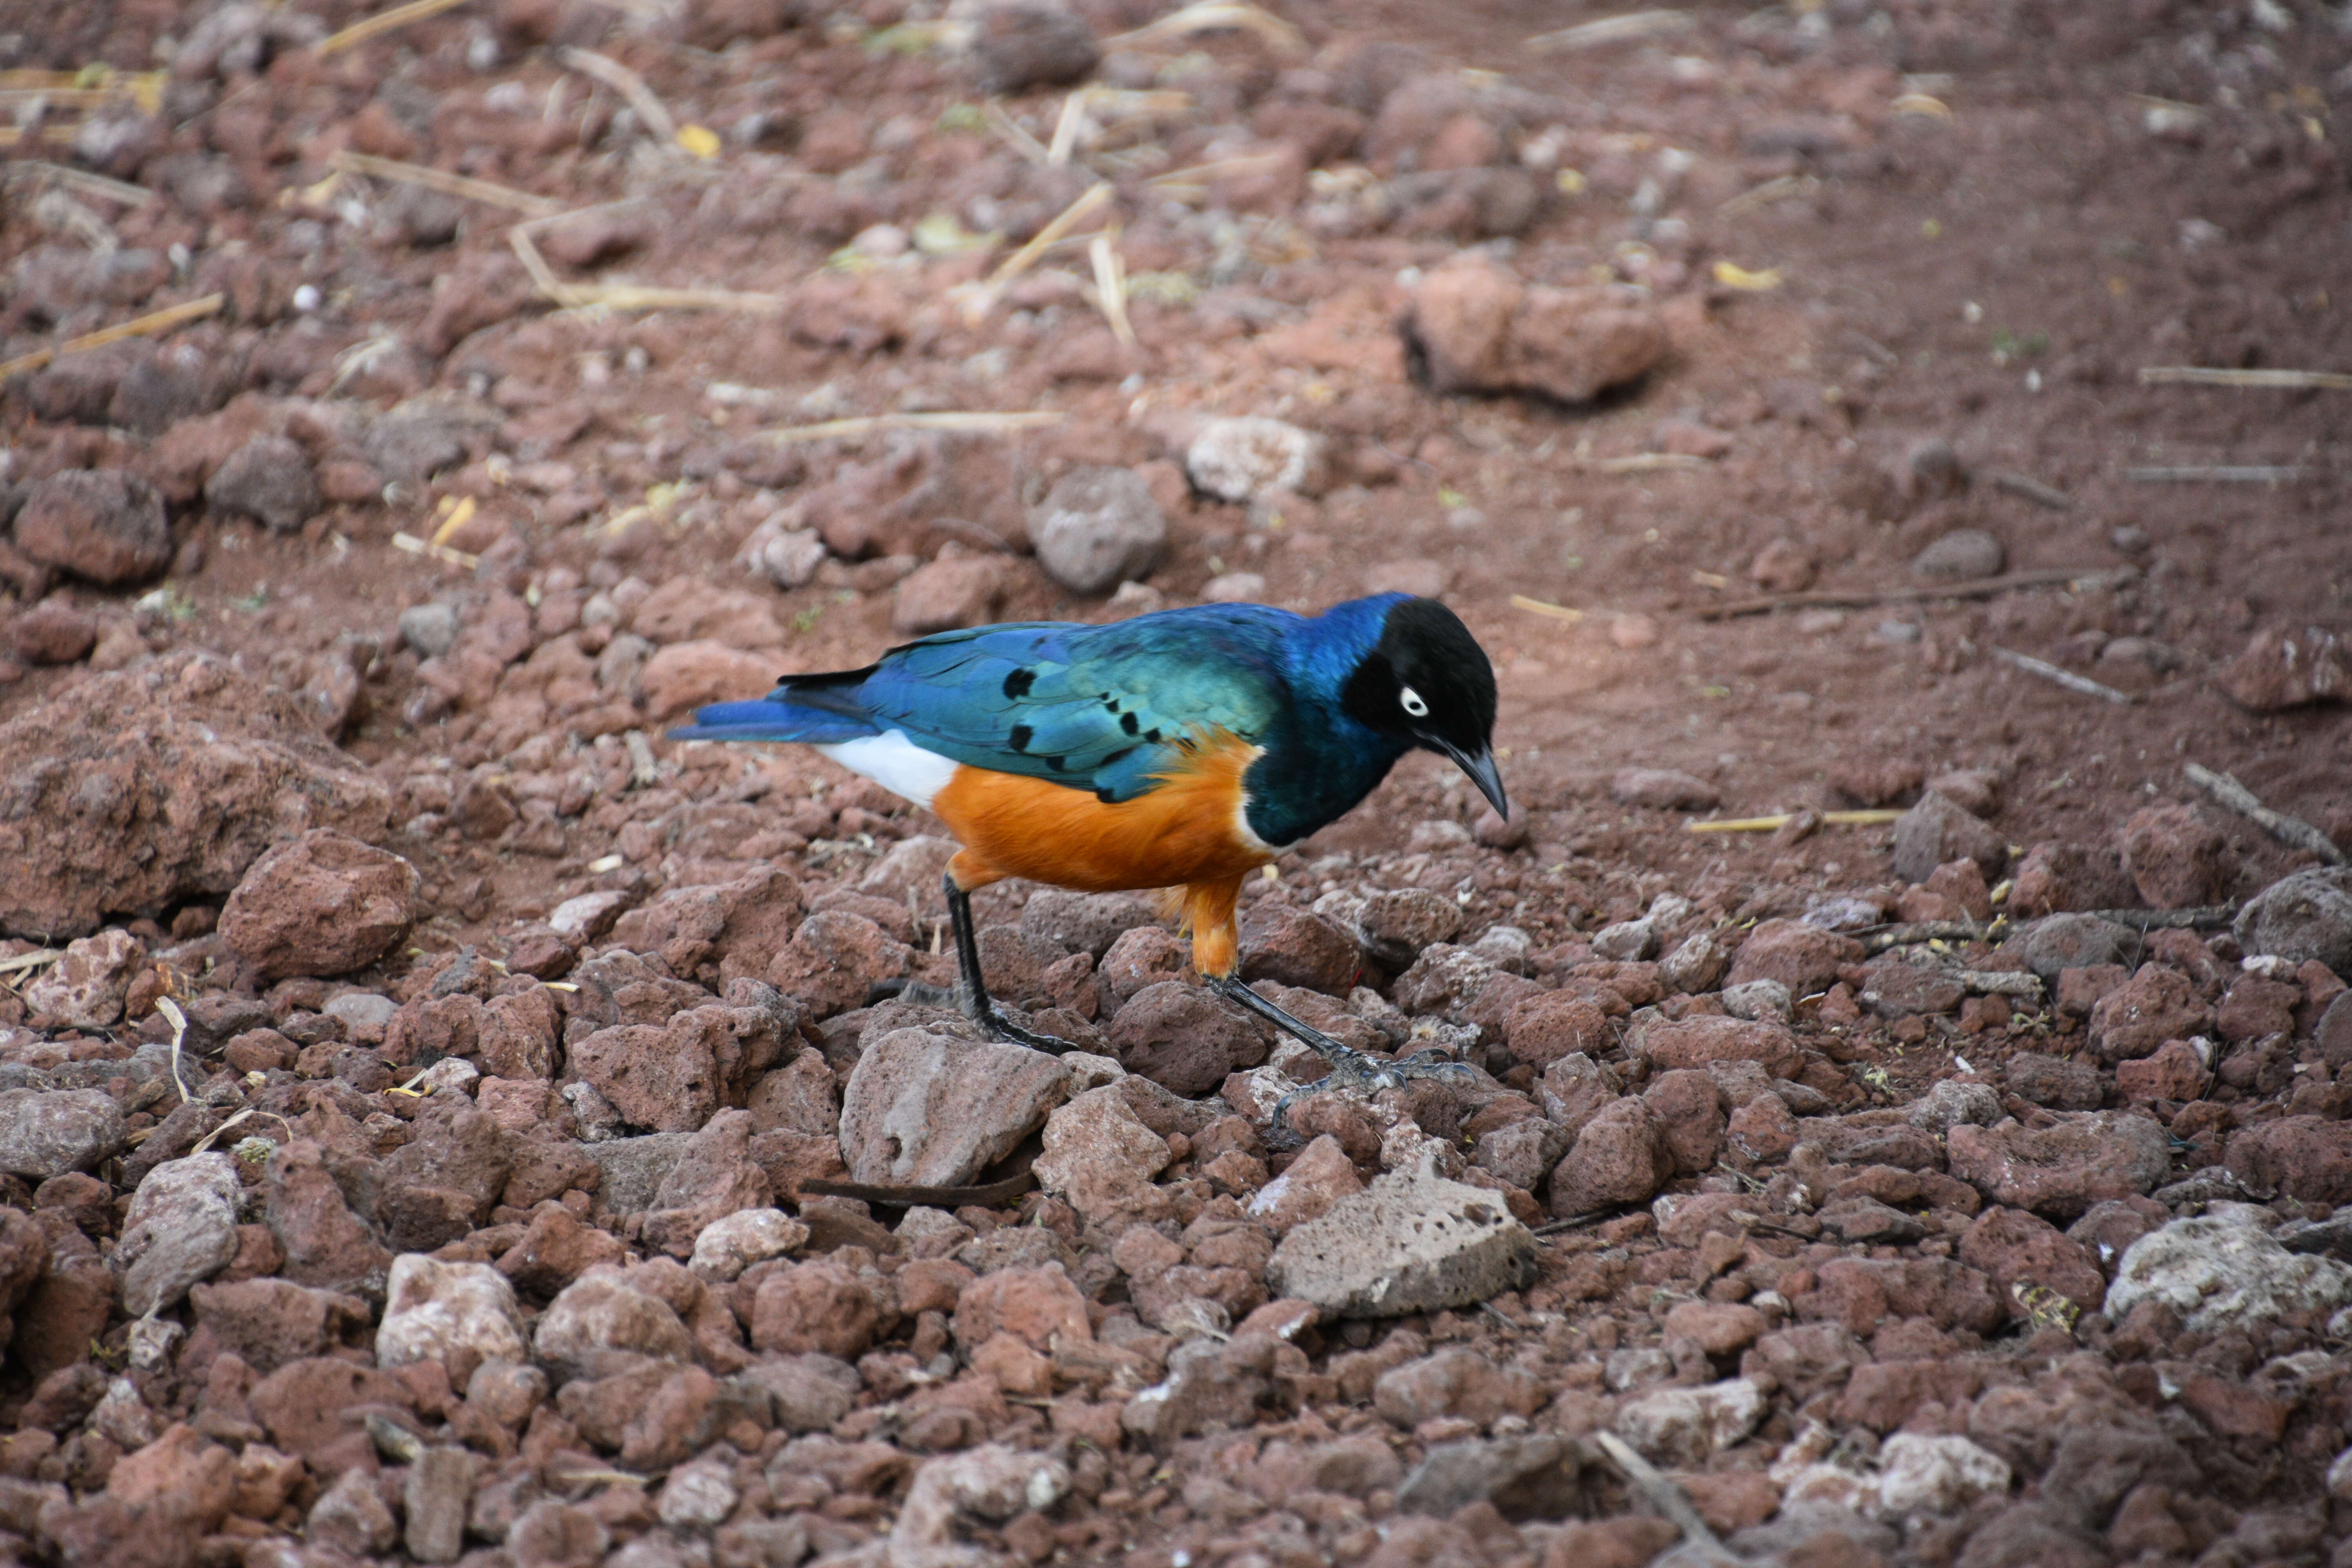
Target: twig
(868,425)
(2002,982)
(1627,28)
(1915,932)
(2034,490)
(1076,213)
(2221,474)
(1217,169)
(1005,125)
(146,326)
(1974,588)
(1573,1222)
(1110,287)
(1539,607)
(2082,684)
(29,169)
(629,85)
(383,22)
(447,555)
(2205,376)
(1214,16)
(179,1022)
(1648,463)
(1769,191)
(446,183)
(34,960)
(2286,829)
(1874,817)
(1663,1494)
(1070,126)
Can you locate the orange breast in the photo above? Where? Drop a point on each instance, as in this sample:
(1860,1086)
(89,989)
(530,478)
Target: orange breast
(1189,829)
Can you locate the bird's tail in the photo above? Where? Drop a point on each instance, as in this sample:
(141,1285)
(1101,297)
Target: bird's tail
(815,709)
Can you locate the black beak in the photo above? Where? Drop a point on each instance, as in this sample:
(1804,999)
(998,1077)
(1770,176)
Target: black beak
(1484,773)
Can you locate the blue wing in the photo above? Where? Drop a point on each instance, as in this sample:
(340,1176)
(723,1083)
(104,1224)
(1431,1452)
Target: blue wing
(1100,707)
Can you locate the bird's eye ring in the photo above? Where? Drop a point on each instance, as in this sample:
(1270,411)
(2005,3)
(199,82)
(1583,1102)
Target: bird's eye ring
(1412,702)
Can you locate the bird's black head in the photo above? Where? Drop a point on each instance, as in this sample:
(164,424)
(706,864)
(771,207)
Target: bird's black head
(1428,680)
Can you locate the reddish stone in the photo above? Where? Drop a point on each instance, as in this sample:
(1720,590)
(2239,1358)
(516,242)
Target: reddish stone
(2175,1072)
(2175,857)
(1805,959)
(2157,1004)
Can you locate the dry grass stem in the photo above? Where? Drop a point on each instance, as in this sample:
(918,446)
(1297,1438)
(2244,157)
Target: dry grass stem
(1628,28)
(1648,463)
(1875,817)
(146,326)
(1005,125)
(2209,375)
(2081,685)
(1541,607)
(446,183)
(383,22)
(444,553)
(32,170)
(1973,588)
(970,424)
(1110,287)
(630,86)
(1210,16)
(2221,474)
(2034,490)
(2290,830)
(1097,196)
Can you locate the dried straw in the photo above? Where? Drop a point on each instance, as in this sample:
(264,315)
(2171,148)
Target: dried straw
(383,22)
(146,326)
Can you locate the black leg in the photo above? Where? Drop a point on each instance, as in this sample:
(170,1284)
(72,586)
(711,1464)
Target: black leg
(1351,1068)
(977,1006)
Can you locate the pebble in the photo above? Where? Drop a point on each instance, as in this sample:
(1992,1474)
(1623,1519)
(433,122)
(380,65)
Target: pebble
(1097,528)
(1411,1242)
(2305,916)
(1246,458)
(1472,325)
(2219,1274)
(1963,554)
(1234,588)
(102,525)
(45,1134)
(269,478)
(324,903)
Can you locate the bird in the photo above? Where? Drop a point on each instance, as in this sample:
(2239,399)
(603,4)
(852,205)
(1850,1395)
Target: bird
(1179,750)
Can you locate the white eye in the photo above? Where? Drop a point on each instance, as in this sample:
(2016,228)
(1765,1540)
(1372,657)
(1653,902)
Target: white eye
(1412,702)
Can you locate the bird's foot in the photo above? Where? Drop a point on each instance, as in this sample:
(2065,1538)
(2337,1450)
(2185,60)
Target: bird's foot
(914,992)
(1004,1031)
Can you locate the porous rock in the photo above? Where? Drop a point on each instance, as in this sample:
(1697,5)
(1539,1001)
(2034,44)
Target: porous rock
(2303,916)
(1474,326)
(195,773)
(1097,527)
(46,1133)
(935,1110)
(181,1229)
(1411,1242)
(461,1314)
(324,903)
(2224,1273)
(103,525)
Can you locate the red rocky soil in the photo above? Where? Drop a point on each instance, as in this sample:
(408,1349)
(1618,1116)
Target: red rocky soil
(411,1062)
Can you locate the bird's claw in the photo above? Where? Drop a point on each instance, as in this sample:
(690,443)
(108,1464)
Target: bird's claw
(1004,1031)
(1435,1065)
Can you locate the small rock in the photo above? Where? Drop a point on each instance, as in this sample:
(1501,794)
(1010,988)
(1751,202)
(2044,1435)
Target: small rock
(350,1518)
(1801,956)
(324,903)
(1759,999)
(460,1314)
(2176,859)
(1690,1425)
(86,989)
(53,632)
(1928,1475)
(1022,43)
(2062,1171)
(947,594)
(1783,566)
(786,557)
(1963,554)
(1533,1477)
(2303,917)
(103,525)
(2287,667)
(1242,458)
(46,1133)
(728,1245)
(1474,326)
(2155,1005)
(2221,1274)
(935,1110)
(1185,1039)
(181,1229)
(2051,946)
(1286,945)
(1663,789)
(269,478)
(430,628)
(1309,1187)
(1395,925)
(1097,528)
(2307,1159)
(602,1324)
(1412,1242)
(1937,831)
(1100,1157)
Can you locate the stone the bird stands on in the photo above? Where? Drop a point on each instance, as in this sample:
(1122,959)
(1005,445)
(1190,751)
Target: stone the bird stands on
(1181,750)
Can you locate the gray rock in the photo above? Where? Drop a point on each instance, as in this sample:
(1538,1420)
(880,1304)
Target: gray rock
(1867,1219)
(440,1485)
(181,1230)
(1959,556)
(431,629)
(1535,1476)
(933,1109)
(1687,1426)
(2219,1274)
(808,1392)
(1084,922)
(267,479)
(1097,528)
(635,1168)
(1937,831)
(425,434)
(44,1135)
(1766,999)
(1663,789)
(2071,942)
(1524,1152)
(1031,43)
(1411,1242)
(1951,1103)
(2303,916)
(1246,458)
